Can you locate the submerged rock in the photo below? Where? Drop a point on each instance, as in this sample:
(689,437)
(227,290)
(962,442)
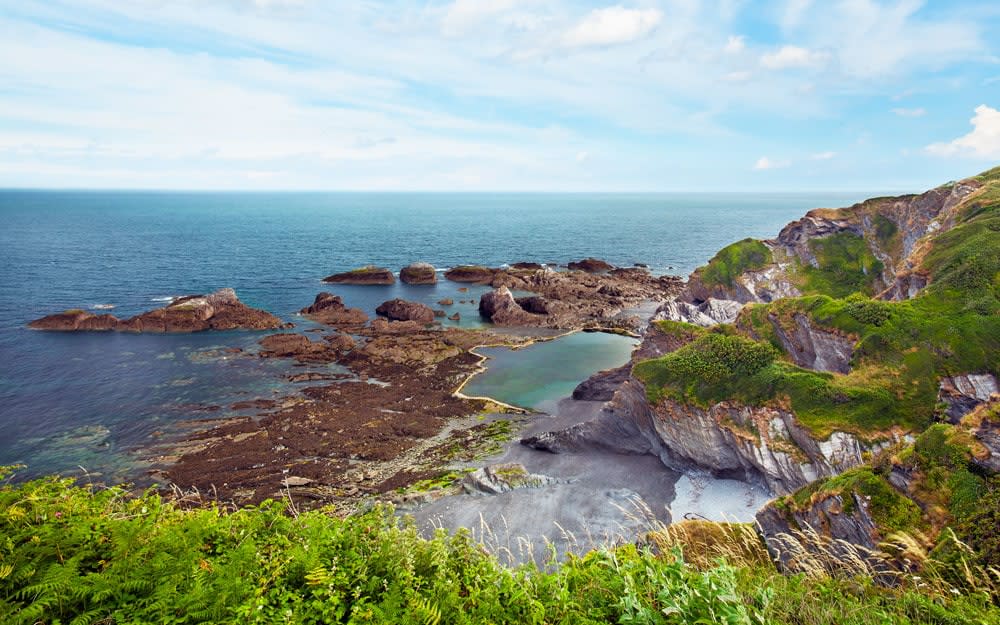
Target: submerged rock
(367,275)
(590,265)
(470,273)
(418,273)
(220,310)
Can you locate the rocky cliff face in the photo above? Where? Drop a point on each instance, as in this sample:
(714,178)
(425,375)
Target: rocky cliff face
(891,228)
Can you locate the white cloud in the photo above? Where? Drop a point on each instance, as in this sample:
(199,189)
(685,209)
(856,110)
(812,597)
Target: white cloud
(793,57)
(914,112)
(582,157)
(764,163)
(982,142)
(611,26)
(735,44)
(741,76)
(822,156)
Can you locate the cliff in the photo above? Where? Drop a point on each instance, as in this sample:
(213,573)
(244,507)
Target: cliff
(850,333)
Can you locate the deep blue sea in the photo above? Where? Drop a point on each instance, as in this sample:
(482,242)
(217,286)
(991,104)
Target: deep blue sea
(88,400)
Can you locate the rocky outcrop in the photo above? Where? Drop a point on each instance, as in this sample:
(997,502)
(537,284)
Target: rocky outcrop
(418,273)
(502,478)
(590,265)
(368,275)
(403,310)
(300,348)
(963,393)
(220,310)
(602,385)
(708,313)
(812,347)
(500,307)
(330,309)
(845,531)
(470,273)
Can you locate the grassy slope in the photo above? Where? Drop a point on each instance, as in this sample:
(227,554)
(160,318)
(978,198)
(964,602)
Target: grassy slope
(904,347)
(74,555)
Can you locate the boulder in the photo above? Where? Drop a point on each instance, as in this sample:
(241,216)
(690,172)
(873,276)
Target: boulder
(446,301)
(330,309)
(403,310)
(418,273)
(500,307)
(524,265)
(367,275)
(590,265)
(470,273)
(455,317)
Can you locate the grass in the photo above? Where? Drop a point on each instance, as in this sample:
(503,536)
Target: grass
(733,260)
(845,265)
(84,555)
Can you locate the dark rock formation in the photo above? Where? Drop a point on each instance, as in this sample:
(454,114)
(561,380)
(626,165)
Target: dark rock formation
(590,265)
(418,273)
(446,301)
(455,317)
(963,393)
(500,307)
(812,347)
(403,310)
(602,385)
(369,274)
(330,309)
(525,265)
(470,273)
(220,310)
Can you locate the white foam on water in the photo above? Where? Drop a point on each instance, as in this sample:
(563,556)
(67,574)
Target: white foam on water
(103,306)
(165,298)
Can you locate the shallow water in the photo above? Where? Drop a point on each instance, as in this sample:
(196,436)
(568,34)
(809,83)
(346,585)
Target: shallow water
(531,376)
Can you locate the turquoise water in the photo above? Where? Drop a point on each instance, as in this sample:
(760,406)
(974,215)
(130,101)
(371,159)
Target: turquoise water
(87,399)
(545,372)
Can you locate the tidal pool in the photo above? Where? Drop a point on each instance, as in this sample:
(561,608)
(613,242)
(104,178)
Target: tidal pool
(547,371)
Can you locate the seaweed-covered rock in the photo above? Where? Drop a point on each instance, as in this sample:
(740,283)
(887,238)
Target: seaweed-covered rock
(418,273)
(367,275)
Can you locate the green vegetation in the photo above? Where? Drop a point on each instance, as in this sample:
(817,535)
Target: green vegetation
(845,266)
(902,349)
(79,555)
(733,260)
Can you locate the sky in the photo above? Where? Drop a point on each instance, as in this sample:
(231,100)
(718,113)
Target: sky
(498,95)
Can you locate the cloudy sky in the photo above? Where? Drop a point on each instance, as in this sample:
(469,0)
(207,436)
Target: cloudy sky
(644,95)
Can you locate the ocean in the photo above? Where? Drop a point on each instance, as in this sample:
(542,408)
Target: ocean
(75,402)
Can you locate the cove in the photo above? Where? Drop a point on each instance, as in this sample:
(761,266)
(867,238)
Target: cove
(547,371)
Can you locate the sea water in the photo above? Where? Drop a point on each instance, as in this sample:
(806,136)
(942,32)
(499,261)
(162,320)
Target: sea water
(72,400)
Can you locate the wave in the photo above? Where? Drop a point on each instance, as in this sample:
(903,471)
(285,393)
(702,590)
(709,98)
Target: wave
(102,306)
(165,298)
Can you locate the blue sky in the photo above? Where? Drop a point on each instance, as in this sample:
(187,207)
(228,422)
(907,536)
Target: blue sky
(550,95)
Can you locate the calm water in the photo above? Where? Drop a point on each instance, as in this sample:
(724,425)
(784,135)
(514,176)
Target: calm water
(86,399)
(545,372)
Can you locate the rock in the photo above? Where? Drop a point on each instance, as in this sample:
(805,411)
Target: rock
(296,346)
(602,385)
(221,310)
(367,275)
(707,313)
(502,478)
(418,273)
(963,393)
(500,307)
(384,326)
(340,342)
(590,265)
(446,301)
(440,313)
(294,480)
(470,273)
(455,317)
(403,310)
(254,404)
(527,266)
(330,309)
(812,347)
(535,304)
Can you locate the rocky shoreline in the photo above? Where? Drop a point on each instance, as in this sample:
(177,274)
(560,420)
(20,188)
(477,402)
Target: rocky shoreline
(393,414)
